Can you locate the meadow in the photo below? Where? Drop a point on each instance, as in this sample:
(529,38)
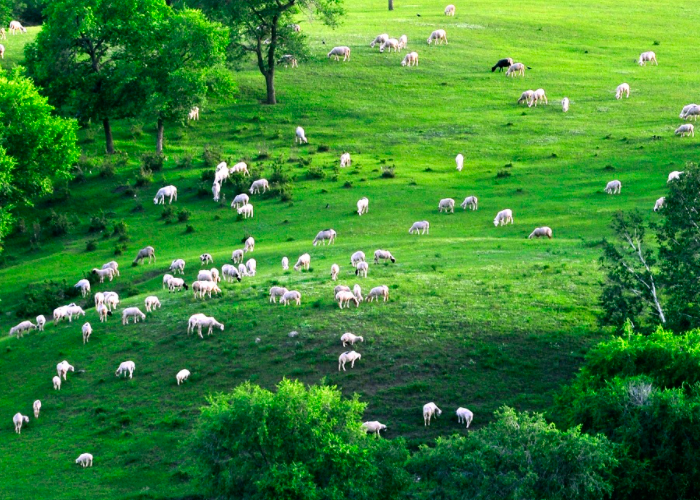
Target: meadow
(478,316)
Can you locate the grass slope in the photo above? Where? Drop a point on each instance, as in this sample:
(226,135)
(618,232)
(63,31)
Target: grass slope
(478,317)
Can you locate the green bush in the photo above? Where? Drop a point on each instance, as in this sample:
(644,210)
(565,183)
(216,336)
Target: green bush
(185,161)
(212,156)
(98,222)
(40,298)
(315,173)
(144,178)
(183,215)
(59,224)
(168,213)
(388,172)
(152,161)
(120,228)
(91,245)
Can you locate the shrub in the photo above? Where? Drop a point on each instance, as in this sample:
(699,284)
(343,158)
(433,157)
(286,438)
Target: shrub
(136,130)
(152,161)
(322,148)
(183,215)
(189,229)
(315,173)
(208,175)
(120,158)
(46,297)
(97,223)
(185,161)
(107,169)
(388,172)
(35,237)
(126,189)
(59,224)
(347,185)
(168,213)
(285,192)
(203,190)
(212,156)
(144,178)
(91,245)
(120,228)
(279,176)
(503,174)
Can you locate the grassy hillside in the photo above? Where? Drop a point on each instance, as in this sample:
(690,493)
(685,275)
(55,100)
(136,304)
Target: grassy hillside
(478,316)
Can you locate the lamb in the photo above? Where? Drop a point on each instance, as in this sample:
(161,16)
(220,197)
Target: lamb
(403,43)
(246,210)
(351,356)
(206,258)
(379,40)
(57,383)
(237,256)
(99,298)
(303,261)
(345,160)
(16,26)
(503,217)
(132,312)
(102,274)
(152,303)
(166,279)
(40,322)
(516,69)
(289,296)
(538,96)
(111,300)
(209,323)
(527,97)
(345,298)
(84,460)
(300,136)
(623,88)
(240,168)
(349,338)
(126,367)
(256,186)
(288,59)
(437,36)
(690,111)
(686,129)
(240,200)
(378,291)
(103,312)
(325,235)
(177,266)
(373,427)
(37,408)
(357,292)
(429,410)
(464,416)
(335,271)
(242,270)
(113,265)
(674,176)
(470,201)
(613,187)
(230,273)
(362,206)
(249,245)
(539,232)
(251,267)
(192,322)
(87,331)
(73,310)
(645,57)
(357,257)
(383,255)
(277,291)
(22,328)
(446,204)
(285,264)
(144,253)
(340,288)
(216,190)
(200,288)
(169,191)
(63,368)
(501,64)
(181,376)
(221,174)
(58,314)
(392,43)
(420,227)
(459,160)
(205,275)
(340,51)
(659,204)
(18,419)
(411,59)
(193,114)
(361,269)
(450,10)
(565,104)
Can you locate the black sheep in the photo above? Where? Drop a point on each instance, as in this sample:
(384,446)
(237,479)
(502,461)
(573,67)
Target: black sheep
(502,63)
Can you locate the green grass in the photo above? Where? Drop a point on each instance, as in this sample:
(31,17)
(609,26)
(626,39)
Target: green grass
(478,316)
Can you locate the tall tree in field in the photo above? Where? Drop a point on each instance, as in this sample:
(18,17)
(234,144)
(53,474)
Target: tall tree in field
(81,57)
(264,28)
(391,4)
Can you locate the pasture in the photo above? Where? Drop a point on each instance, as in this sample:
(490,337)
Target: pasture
(478,316)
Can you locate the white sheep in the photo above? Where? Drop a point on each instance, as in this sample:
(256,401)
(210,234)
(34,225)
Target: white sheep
(289,59)
(216,190)
(383,255)
(87,331)
(335,271)
(102,312)
(613,187)
(429,410)
(242,269)
(152,303)
(177,266)
(373,427)
(277,291)
(230,273)
(340,51)
(516,69)
(349,338)
(450,10)
(206,258)
(16,26)
(57,383)
(251,267)
(420,227)
(540,232)
(464,416)
(132,312)
(246,211)
(240,168)
(193,114)
(113,265)
(361,269)
(63,368)
(345,160)
(37,408)
(379,40)
(503,217)
(111,300)
(411,59)
(18,419)
(470,202)
(300,136)
(3,34)
(221,174)
(538,96)
(148,252)
(403,43)
(256,186)
(58,314)
(565,104)
(327,235)
(201,288)
(240,200)
(249,245)
(659,204)
(686,129)
(344,297)
(181,376)
(102,274)
(126,367)
(362,206)
(304,261)
(169,191)
(459,160)
(437,36)
(21,328)
(285,264)
(205,275)
(350,356)
(446,204)
(340,288)
(73,310)
(237,256)
(40,322)
(289,296)
(674,176)
(391,43)
(85,459)
(209,323)
(357,257)
(192,322)
(645,57)
(623,88)
(527,97)
(166,279)
(378,291)
(690,111)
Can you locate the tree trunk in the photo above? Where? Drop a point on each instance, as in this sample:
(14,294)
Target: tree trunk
(109,141)
(270,82)
(391,4)
(159,137)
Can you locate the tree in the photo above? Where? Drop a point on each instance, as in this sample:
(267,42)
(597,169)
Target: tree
(295,443)
(391,4)
(37,149)
(265,29)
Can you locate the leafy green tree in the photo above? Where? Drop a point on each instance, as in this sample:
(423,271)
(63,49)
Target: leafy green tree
(517,457)
(295,443)
(37,149)
(5,12)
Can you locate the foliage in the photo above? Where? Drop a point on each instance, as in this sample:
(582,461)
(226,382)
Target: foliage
(183,215)
(153,161)
(28,11)
(59,223)
(45,297)
(212,156)
(144,177)
(98,222)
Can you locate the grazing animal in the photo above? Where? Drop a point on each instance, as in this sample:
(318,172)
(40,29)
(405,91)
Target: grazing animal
(690,111)
(411,59)
(145,253)
(383,255)
(37,408)
(336,52)
(193,114)
(84,460)
(246,211)
(277,291)
(378,291)
(373,427)
(503,217)
(206,258)
(379,40)
(230,273)
(362,206)
(152,303)
(447,204)
(40,322)
(126,367)
(350,356)
(132,312)
(429,410)
(102,312)
(18,420)
(464,416)
(646,57)
(113,265)
(207,322)
(256,186)
(538,96)
(87,331)
(177,266)
(181,376)
(391,43)
(613,187)
(527,97)
(177,284)
(240,168)
(686,129)
(63,368)
(102,273)
(237,256)
(349,338)
(459,160)
(216,191)
(674,176)
(291,295)
(502,64)
(285,264)
(361,269)
(16,26)
(438,36)
(335,271)
(357,257)
(420,227)
(623,88)
(540,232)
(304,261)
(345,160)
(565,104)
(300,136)
(240,200)
(345,297)
(357,291)
(470,201)
(659,204)
(249,244)
(288,60)
(516,69)
(3,34)
(57,383)
(403,42)
(327,235)
(21,328)
(450,10)
(169,191)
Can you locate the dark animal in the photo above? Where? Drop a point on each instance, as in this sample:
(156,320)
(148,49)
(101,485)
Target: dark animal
(502,63)
(418,15)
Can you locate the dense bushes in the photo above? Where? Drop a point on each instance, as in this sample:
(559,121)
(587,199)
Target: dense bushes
(45,297)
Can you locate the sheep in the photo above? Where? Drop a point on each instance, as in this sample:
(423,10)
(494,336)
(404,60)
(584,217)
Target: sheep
(340,51)
(87,331)
(437,36)
(166,279)
(209,323)
(37,408)
(230,273)
(102,274)
(300,136)
(56,383)
(285,264)
(132,312)
(361,269)
(181,376)
(327,235)
(148,252)
(659,204)
(152,303)
(464,416)
(345,298)
(613,187)
(645,57)
(502,64)
(690,111)
(177,266)
(205,275)
(503,217)
(3,34)
(58,314)
(126,367)
(351,356)
(357,292)
(113,265)
(200,288)
(16,26)
(215,275)
(459,160)
(403,43)
(373,427)
(345,160)
(111,300)
(289,296)
(251,267)
(674,176)
(383,255)
(249,245)
(686,129)
(378,291)
(304,261)
(169,191)
(362,206)
(206,258)
(63,368)
(565,104)
(240,168)
(623,88)
(392,43)
(539,232)
(335,271)
(277,291)
(240,200)
(246,211)
(446,204)
(237,256)
(288,59)
(103,312)
(527,97)
(242,269)
(84,460)
(21,328)
(516,69)
(216,190)
(411,59)
(40,322)
(450,10)
(420,227)
(221,174)
(357,257)
(429,410)
(379,40)
(18,419)
(295,27)
(193,114)
(192,322)
(73,310)
(349,338)
(340,288)
(256,186)
(470,202)
(538,96)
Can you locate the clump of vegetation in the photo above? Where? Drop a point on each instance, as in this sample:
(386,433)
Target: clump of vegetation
(316,173)
(185,161)
(98,222)
(59,223)
(35,238)
(91,245)
(136,130)
(347,185)
(212,156)
(189,229)
(322,148)
(168,213)
(503,174)
(183,215)
(145,177)
(107,169)
(388,172)
(208,175)
(152,161)
(40,298)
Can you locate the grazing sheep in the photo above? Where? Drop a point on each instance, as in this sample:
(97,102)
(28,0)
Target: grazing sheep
(304,261)
(450,10)
(538,96)
(459,160)
(502,64)
(357,292)
(216,190)
(470,201)
(345,160)
(256,186)
(344,297)
(429,410)
(690,111)
(132,312)
(289,296)
(85,459)
(16,26)
(177,266)
(503,217)
(126,367)
(251,267)
(166,279)
(207,322)
(237,256)
(18,419)
(37,408)
(181,376)
(205,275)
(111,300)
(340,288)
(102,273)
(565,104)
(674,176)
(58,314)
(103,312)
(206,258)
(246,210)
(361,269)
(73,310)
(192,322)
(22,328)
(57,383)
(221,173)
(200,288)
(336,52)
(383,255)
(327,235)
(242,270)
(403,42)
(438,36)
(230,273)
(392,43)
(148,252)
(240,200)
(335,271)
(349,338)
(240,168)
(113,265)
(193,114)
(464,416)
(659,204)
(613,187)
(539,232)
(249,244)
(152,303)
(99,298)
(374,426)
(295,27)
(527,97)
(300,136)
(287,60)
(362,206)
(87,331)
(378,291)
(357,257)
(379,40)
(446,204)
(420,227)
(623,88)
(516,69)
(40,322)
(350,356)
(63,368)
(285,264)
(686,129)
(169,191)
(411,59)
(277,291)
(645,57)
